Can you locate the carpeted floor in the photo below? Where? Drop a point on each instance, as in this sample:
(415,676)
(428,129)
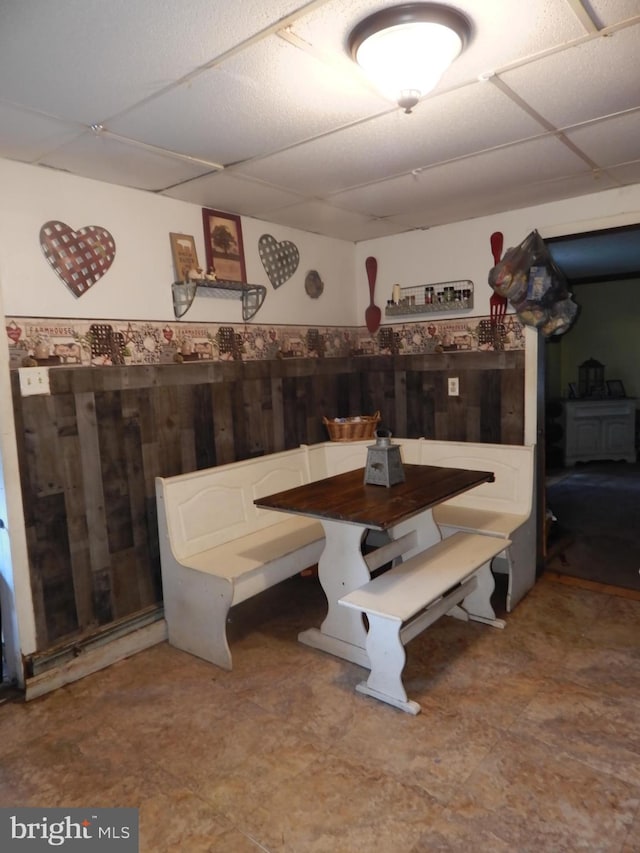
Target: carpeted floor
(597,533)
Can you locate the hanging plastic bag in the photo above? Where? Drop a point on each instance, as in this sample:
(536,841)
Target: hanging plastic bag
(562,316)
(509,277)
(529,278)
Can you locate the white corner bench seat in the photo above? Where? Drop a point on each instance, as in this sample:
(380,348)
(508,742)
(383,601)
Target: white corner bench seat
(452,576)
(217,548)
(503,508)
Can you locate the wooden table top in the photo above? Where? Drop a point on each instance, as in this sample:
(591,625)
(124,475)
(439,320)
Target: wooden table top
(346,497)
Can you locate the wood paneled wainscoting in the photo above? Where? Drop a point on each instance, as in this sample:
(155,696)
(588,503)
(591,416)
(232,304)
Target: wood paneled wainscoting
(90,450)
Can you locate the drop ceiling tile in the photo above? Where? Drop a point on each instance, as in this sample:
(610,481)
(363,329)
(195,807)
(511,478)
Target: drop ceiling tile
(502,35)
(503,199)
(498,37)
(114,162)
(437,131)
(609,12)
(627,173)
(88,60)
(609,142)
(322,218)
(26,135)
(535,160)
(230,113)
(226,191)
(563,89)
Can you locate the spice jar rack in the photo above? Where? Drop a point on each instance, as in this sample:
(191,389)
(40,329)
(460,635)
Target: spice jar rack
(431,298)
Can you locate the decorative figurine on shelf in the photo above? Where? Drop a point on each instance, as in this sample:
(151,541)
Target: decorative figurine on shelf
(384,463)
(195,274)
(211,275)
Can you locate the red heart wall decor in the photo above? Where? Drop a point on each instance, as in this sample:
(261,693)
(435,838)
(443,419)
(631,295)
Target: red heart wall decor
(14,331)
(80,258)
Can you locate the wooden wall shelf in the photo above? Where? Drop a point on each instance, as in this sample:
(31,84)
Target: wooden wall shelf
(252,295)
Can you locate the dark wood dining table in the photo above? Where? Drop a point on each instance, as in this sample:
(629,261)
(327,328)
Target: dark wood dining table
(348,507)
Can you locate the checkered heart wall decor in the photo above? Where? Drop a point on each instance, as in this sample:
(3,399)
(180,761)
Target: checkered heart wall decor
(80,258)
(280,260)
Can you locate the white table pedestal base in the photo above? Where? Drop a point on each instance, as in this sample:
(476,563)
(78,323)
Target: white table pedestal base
(315,638)
(343,568)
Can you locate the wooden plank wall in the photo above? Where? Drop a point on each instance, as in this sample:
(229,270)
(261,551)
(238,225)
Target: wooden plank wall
(90,452)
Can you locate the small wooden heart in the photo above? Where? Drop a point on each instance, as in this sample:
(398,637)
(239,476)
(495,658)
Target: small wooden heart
(80,258)
(280,260)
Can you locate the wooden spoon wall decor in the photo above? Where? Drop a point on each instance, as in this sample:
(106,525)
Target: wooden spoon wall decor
(372,314)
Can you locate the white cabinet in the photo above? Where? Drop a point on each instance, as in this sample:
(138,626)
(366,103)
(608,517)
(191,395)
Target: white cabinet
(599,429)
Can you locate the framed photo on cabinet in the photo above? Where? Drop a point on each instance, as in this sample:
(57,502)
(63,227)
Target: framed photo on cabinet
(223,245)
(615,388)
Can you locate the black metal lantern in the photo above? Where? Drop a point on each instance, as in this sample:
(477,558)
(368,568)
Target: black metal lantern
(591,379)
(384,463)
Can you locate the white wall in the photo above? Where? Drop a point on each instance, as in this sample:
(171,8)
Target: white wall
(138,284)
(462,251)
(137,287)
(18,622)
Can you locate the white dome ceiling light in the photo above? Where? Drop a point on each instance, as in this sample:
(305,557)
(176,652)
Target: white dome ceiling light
(406,49)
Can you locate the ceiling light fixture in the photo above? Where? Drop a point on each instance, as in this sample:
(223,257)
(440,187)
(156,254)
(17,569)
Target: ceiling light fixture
(406,49)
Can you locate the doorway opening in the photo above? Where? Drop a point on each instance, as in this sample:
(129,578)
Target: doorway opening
(590,532)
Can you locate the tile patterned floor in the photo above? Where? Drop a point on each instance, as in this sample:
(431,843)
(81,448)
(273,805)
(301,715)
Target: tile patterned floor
(529,738)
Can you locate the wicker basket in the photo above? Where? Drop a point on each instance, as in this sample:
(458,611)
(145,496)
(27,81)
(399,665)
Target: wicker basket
(352,429)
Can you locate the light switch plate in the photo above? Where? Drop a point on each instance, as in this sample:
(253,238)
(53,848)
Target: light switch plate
(454,387)
(34,380)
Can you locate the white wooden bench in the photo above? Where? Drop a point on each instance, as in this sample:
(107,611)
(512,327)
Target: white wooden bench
(503,508)
(218,549)
(335,457)
(453,576)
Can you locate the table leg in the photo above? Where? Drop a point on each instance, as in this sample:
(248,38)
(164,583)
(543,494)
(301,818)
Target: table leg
(427,532)
(341,569)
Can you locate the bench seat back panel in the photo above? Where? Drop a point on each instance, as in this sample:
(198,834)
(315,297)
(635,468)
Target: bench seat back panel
(512,466)
(210,507)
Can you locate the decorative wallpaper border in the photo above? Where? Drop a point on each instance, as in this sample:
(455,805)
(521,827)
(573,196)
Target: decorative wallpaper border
(65,343)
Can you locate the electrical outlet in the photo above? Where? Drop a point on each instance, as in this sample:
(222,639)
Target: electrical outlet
(34,380)
(454,387)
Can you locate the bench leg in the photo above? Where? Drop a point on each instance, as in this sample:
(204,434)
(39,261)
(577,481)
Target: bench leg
(478,605)
(387,658)
(521,560)
(196,609)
